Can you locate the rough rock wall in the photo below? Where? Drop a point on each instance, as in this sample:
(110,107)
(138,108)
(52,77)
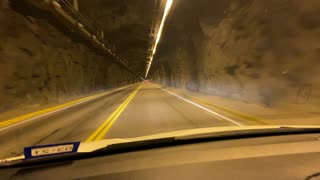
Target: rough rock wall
(40,63)
(126,25)
(253,50)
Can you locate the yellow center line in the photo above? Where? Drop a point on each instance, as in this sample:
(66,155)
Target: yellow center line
(99,133)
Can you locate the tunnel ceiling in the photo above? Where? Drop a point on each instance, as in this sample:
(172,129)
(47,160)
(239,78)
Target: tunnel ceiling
(126,24)
(185,25)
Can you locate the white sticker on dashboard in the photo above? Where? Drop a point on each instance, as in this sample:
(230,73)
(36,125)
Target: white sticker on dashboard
(52,149)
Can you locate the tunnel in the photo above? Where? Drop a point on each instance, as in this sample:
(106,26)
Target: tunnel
(139,67)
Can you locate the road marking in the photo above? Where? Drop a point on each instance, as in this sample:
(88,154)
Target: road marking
(38,114)
(232,112)
(99,133)
(201,107)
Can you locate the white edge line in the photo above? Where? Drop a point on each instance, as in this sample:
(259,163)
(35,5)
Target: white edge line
(201,107)
(33,118)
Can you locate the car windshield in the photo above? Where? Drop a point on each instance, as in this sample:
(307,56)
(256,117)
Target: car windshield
(85,71)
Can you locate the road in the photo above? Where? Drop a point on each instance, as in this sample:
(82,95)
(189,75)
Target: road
(136,110)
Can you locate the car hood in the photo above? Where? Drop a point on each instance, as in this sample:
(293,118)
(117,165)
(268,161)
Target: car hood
(86,147)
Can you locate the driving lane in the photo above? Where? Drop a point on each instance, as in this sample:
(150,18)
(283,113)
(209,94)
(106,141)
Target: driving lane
(136,110)
(70,124)
(154,110)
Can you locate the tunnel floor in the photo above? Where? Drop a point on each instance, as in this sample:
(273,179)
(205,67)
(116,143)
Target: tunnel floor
(152,110)
(136,110)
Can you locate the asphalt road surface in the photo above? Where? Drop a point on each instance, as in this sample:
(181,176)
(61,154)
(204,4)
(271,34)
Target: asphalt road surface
(136,110)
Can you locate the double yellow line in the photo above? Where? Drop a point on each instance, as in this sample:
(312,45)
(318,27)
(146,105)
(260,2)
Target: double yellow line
(103,128)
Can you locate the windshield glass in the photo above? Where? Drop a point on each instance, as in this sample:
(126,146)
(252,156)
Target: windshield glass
(84,71)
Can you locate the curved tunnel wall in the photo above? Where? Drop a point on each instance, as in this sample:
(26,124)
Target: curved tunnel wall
(41,62)
(250,50)
(264,51)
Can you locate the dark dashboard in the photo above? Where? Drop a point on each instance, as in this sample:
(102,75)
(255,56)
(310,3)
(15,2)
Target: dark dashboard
(272,157)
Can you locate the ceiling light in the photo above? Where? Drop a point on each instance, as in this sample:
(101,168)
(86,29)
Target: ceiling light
(165,14)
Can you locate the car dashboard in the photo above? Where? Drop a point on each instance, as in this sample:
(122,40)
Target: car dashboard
(272,157)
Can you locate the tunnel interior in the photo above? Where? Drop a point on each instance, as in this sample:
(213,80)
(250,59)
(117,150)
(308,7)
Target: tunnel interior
(123,71)
(254,51)
(249,50)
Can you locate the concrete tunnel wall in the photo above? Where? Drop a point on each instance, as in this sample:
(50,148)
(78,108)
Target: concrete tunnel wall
(257,51)
(41,63)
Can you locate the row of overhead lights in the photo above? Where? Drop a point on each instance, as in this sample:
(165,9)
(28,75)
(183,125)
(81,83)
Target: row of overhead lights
(165,14)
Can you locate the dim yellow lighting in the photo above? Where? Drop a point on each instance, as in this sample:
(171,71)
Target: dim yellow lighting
(165,14)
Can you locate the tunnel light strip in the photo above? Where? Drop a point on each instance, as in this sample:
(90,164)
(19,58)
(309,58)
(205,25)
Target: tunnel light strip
(165,14)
